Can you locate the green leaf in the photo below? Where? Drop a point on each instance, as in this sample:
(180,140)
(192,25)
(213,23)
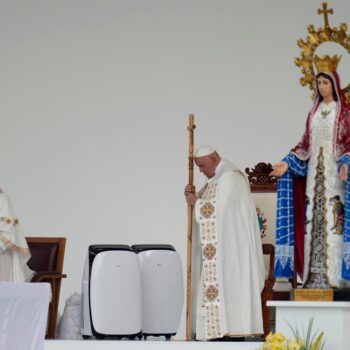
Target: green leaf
(309,328)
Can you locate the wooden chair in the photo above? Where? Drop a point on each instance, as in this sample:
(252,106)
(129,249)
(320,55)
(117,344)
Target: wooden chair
(47,261)
(263,189)
(264,192)
(267,293)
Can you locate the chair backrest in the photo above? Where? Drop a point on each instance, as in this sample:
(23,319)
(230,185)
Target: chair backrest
(264,193)
(47,253)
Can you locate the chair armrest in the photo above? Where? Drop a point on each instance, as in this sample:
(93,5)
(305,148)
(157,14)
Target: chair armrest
(47,275)
(269,283)
(269,249)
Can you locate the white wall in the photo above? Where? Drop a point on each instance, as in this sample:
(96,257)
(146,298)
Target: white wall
(95,96)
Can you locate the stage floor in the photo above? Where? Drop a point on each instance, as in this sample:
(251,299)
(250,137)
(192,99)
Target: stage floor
(146,345)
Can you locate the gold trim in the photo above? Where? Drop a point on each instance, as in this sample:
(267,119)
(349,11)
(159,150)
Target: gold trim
(313,41)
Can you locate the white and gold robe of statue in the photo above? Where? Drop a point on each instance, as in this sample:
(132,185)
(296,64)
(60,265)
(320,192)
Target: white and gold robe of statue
(228,257)
(14,252)
(325,198)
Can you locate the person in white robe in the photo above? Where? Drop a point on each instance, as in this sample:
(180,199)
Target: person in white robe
(228,268)
(14,251)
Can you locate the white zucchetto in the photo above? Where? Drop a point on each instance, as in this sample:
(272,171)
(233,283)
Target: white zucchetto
(203,151)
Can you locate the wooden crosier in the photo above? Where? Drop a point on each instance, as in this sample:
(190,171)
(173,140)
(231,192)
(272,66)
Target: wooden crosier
(190,129)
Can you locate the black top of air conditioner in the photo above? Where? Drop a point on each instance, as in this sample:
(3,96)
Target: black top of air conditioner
(97,248)
(138,248)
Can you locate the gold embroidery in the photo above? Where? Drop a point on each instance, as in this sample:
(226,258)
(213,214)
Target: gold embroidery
(213,327)
(211,293)
(210,192)
(208,236)
(207,210)
(10,221)
(209,251)
(208,231)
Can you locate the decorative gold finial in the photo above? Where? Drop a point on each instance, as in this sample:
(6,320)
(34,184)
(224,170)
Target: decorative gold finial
(325,13)
(326,63)
(309,45)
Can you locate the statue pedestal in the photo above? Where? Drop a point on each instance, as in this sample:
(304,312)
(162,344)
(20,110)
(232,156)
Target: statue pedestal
(332,318)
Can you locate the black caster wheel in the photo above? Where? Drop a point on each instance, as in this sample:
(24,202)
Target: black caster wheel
(86,337)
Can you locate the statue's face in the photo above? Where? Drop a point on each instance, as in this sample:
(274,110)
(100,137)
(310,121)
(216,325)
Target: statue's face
(206,165)
(325,88)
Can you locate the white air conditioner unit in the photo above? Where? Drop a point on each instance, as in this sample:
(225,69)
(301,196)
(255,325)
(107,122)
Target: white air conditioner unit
(162,289)
(111,293)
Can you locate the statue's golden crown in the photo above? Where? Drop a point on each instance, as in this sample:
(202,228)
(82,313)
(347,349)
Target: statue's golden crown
(326,63)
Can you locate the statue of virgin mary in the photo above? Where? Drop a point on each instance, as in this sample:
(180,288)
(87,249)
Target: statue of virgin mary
(313,201)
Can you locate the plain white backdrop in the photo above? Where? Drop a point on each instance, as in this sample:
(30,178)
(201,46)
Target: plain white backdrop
(94,104)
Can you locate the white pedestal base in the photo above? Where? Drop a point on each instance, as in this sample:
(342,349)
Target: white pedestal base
(147,345)
(332,318)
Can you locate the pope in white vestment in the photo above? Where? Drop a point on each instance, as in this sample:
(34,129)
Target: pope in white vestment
(228,284)
(14,252)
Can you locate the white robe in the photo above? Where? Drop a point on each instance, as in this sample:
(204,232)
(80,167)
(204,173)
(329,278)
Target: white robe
(230,258)
(14,252)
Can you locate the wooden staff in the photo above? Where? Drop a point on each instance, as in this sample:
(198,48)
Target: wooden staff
(190,129)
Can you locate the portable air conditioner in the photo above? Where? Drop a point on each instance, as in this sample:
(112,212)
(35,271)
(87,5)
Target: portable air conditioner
(111,292)
(162,289)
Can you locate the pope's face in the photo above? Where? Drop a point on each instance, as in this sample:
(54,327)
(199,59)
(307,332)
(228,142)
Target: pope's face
(206,165)
(324,86)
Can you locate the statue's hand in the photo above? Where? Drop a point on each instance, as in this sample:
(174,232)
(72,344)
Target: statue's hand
(279,169)
(343,172)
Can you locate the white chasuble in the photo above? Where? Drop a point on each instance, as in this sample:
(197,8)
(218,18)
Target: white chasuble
(231,259)
(14,252)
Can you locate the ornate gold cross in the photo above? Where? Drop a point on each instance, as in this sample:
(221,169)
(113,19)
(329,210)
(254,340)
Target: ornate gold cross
(325,13)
